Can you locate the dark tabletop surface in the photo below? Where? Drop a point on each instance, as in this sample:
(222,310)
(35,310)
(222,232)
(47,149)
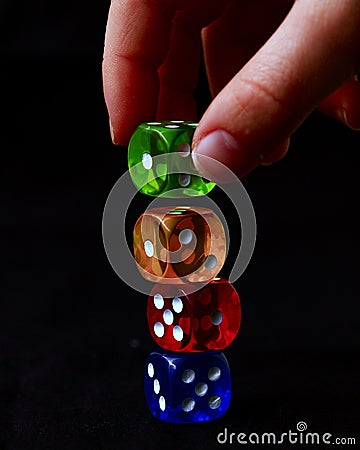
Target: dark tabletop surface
(73,336)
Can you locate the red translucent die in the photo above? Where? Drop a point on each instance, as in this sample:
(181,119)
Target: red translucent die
(208,319)
(180,245)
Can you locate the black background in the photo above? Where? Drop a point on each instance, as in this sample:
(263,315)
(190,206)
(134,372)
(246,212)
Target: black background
(73,336)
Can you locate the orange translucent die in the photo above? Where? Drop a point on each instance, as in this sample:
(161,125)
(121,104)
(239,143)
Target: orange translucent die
(179,245)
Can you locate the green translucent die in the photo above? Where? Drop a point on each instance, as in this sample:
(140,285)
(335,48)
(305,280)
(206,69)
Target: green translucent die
(169,175)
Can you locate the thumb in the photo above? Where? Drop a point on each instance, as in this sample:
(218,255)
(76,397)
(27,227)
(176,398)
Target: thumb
(312,53)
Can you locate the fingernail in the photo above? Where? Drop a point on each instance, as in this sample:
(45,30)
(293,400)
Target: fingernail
(112,132)
(223,147)
(351,122)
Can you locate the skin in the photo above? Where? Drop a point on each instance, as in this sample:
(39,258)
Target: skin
(269,65)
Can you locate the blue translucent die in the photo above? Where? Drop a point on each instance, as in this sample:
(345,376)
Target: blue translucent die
(187,387)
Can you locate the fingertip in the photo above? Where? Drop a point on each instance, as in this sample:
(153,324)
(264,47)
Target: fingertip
(277,154)
(344,104)
(131,95)
(220,146)
(235,159)
(119,135)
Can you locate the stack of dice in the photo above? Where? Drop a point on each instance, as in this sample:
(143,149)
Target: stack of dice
(192,314)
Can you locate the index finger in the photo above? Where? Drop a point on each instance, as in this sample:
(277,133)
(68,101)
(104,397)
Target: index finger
(136,43)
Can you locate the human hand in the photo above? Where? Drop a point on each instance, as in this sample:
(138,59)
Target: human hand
(267,69)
